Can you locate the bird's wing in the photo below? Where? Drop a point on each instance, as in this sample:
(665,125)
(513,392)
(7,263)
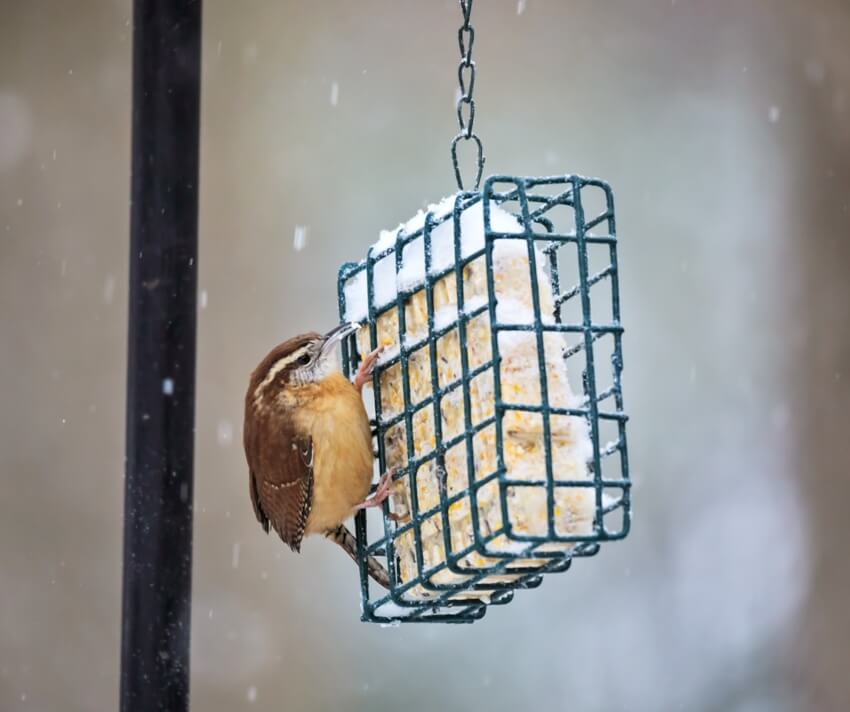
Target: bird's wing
(281,478)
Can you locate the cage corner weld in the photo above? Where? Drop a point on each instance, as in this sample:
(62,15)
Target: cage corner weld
(497,398)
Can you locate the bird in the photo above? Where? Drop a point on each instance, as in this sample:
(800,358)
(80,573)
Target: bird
(308,443)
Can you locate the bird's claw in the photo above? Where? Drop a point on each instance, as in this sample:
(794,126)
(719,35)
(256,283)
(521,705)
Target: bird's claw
(382,491)
(364,370)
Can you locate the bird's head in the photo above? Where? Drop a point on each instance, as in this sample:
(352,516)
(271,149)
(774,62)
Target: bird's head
(299,361)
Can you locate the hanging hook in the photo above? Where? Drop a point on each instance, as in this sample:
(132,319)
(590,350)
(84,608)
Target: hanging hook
(479,159)
(466,81)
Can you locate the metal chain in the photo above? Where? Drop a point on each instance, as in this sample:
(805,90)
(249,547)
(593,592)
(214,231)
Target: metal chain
(465,103)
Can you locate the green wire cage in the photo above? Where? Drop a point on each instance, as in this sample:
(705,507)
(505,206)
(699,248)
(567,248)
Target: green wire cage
(498,401)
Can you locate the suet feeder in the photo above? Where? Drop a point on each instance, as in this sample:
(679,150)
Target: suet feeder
(497,398)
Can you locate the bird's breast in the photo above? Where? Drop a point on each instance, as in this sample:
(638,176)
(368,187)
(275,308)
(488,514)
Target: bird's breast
(342,450)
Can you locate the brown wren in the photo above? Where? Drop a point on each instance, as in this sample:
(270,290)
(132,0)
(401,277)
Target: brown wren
(308,442)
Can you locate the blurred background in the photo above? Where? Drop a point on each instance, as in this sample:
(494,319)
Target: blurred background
(724,129)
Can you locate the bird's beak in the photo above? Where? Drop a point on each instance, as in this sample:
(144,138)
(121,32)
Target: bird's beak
(336,335)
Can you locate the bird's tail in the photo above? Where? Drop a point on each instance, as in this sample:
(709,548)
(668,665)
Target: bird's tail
(346,540)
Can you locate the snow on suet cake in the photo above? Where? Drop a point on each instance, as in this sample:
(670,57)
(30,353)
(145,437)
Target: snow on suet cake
(474,409)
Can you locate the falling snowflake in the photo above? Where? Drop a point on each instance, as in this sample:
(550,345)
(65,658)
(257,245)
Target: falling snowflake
(108,289)
(224,433)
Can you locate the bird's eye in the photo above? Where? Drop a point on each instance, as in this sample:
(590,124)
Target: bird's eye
(304,360)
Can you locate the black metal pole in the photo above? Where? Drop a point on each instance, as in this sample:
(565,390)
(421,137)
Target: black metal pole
(161,356)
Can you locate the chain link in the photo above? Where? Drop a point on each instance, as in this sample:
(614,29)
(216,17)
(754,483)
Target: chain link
(466,104)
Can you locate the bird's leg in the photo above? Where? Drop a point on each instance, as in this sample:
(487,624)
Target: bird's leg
(346,540)
(364,370)
(382,491)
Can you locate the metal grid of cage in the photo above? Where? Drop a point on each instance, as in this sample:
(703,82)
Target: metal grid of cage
(566,228)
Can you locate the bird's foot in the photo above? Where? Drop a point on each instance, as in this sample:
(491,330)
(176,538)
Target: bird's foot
(382,491)
(364,370)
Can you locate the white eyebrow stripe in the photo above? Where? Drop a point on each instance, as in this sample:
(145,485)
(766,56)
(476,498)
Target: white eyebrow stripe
(279,366)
